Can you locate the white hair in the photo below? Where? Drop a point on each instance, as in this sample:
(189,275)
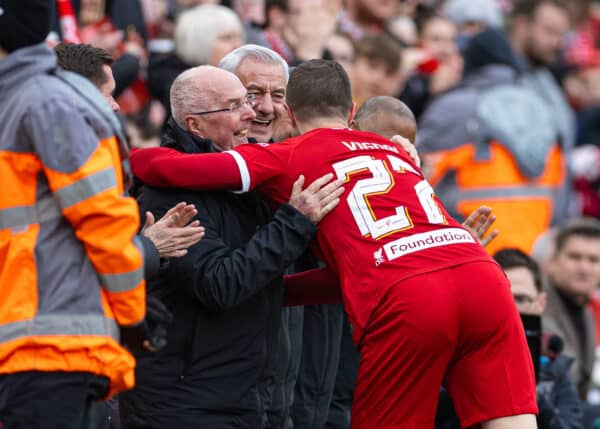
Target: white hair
(232,60)
(197,28)
(189,94)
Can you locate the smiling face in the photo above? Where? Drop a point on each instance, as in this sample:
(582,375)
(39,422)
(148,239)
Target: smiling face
(226,129)
(266,82)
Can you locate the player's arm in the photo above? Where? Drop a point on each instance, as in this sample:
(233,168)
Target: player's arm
(163,167)
(318,286)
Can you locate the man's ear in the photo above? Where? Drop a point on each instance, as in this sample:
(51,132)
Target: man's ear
(351,114)
(354,125)
(291,115)
(192,126)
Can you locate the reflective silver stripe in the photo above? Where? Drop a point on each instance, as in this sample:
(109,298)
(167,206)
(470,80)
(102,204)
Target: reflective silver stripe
(122,282)
(60,324)
(137,241)
(46,209)
(505,192)
(86,188)
(16,216)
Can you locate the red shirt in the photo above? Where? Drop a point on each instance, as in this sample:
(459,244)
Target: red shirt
(388,226)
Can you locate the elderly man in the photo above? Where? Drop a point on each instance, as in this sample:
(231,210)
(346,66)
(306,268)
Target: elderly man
(307,342)
(265,75)
(210,374)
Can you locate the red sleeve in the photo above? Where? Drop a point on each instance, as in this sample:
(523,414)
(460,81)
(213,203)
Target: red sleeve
(244,168)
(318,286)
(261,164)
(167,168)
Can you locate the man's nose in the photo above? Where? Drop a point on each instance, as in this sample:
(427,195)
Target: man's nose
(265,104)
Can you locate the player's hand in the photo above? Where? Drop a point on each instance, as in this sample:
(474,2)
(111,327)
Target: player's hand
(408,147)
(479,222)
(318,199)
(173,233)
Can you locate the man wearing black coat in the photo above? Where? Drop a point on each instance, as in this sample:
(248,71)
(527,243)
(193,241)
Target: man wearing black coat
(221,293)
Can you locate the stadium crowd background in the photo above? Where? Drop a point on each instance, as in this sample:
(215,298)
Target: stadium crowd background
(506,96)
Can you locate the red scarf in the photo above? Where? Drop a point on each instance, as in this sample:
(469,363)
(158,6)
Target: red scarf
(68,21)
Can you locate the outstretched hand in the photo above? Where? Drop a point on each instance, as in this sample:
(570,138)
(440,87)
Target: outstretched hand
(318,199)
(173,233)
(479,222)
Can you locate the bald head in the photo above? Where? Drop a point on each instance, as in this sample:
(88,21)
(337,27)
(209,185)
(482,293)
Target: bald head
(386,116)
(210,102)
(202,88)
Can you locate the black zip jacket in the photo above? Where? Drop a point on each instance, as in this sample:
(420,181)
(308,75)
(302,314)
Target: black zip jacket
(225,296)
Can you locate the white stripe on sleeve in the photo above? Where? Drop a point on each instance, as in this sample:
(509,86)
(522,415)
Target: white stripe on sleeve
(244,173)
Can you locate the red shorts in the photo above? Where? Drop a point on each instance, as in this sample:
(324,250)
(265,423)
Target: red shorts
(458,327)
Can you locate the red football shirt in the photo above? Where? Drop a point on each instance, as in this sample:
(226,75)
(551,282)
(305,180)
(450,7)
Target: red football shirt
(388,226)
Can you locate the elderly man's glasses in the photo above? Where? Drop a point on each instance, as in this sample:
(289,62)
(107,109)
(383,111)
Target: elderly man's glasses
(235,107)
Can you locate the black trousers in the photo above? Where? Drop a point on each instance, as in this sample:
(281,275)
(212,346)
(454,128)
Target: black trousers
(53,400)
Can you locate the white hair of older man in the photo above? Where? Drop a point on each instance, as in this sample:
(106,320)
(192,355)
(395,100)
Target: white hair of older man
(232,60)
(189,94)
(197,28)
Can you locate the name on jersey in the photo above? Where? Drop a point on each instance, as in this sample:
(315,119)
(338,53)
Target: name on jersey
(370,146)
(425,240)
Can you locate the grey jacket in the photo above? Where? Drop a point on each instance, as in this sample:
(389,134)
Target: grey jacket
(556,320)
(81,269)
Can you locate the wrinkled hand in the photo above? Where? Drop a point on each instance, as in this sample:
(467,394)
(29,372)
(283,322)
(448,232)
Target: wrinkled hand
(408,148)
(479,222)
(318,199)
(173,233)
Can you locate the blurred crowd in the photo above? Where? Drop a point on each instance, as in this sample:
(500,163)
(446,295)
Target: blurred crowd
(506,98)
(417,50)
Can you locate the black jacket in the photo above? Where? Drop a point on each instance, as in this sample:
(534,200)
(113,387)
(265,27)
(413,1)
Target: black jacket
(225,296)
(558,400)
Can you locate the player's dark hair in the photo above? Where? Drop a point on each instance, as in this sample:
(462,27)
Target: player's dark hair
(583,227)
(319,88)
(86,60)
(516,258)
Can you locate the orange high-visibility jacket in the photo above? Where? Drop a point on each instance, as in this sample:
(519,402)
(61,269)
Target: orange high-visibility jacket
(523,206)
(70,269)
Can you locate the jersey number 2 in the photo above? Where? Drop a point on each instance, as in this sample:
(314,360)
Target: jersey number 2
(381,183)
